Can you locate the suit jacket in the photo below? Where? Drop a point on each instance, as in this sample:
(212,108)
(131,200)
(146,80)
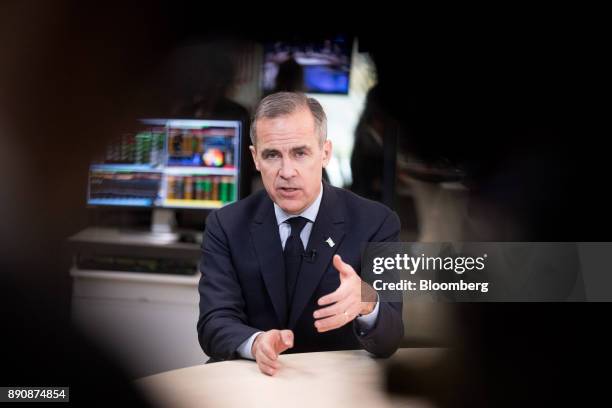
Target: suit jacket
(242,288)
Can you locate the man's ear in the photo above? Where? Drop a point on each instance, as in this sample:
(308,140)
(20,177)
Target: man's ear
(254,154)
(327,151)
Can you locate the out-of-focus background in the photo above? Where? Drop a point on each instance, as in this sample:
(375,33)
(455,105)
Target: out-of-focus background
(123,125)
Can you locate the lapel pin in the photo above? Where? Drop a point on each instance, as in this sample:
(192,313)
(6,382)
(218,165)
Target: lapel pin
(330,242)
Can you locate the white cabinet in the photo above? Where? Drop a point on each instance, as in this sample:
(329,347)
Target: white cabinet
(147,321)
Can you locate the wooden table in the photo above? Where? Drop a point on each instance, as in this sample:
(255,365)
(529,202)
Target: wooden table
(327,379)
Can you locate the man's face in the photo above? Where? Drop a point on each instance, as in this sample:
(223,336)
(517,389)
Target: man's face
(290,159)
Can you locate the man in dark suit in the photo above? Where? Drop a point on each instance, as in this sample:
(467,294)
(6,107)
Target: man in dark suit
(280,268)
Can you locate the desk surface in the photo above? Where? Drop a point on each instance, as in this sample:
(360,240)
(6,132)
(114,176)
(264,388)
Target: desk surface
(315,380)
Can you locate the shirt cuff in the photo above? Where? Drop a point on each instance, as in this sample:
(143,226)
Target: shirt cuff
(367,322)
(244,349)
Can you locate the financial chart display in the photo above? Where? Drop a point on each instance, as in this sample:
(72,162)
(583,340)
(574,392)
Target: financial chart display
(169,163)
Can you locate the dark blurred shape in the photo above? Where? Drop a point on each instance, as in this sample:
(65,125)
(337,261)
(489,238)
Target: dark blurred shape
(71,76)
(200,77)
(367,155)
(511,355)
(42,348)
(511,111)
(446,382)
(290,77)
(511,118)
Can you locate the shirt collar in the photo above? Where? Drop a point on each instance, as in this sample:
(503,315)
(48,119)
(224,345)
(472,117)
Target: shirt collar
(310,213)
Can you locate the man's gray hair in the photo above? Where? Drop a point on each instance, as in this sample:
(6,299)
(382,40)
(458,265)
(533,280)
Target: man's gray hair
(285,103)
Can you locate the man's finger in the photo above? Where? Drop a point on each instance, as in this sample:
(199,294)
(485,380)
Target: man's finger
(332,310)
(333,297)
(333,322)
(267,369)
(262,358)
(284,341)
(287,338)
(343,268)
(268,351)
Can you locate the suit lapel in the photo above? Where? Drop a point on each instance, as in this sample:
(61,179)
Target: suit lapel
(264,231)
(328,224)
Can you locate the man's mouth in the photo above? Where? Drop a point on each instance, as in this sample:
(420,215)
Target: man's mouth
(288,189)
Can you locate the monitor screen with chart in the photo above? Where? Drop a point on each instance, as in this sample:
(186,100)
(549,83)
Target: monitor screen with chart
(169,163)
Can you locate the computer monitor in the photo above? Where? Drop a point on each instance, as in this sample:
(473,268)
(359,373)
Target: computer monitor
(169,164)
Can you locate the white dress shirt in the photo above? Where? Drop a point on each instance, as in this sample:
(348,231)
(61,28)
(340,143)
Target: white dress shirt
(366,322)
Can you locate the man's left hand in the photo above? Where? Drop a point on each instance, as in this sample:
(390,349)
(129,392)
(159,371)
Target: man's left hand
(345,303)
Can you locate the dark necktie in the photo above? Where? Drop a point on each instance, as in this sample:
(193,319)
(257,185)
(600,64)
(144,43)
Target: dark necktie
(294,249)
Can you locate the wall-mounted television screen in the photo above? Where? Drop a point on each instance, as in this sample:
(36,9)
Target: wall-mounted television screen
(325,63)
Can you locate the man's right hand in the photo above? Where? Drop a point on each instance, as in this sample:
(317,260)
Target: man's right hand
(267,346)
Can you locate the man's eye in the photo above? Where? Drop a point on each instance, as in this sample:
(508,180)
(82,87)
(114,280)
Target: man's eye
(300,153)
(271,155)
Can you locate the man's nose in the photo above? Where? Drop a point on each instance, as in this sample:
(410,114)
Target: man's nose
(287,169)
